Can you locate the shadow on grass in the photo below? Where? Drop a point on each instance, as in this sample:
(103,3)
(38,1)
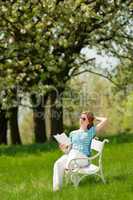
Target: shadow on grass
(13,150)
(116,178)
(119,177)
(90,181)
(94,180)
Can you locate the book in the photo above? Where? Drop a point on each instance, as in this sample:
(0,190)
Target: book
(62,139)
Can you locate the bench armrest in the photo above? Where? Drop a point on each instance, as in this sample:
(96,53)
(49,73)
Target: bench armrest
(73,164)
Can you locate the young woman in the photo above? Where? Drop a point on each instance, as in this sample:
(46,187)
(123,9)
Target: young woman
(80,146)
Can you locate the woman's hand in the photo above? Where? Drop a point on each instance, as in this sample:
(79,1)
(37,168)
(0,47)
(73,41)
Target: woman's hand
(101,124)
(64,147)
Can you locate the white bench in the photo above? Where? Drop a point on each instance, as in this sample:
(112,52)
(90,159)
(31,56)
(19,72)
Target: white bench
(74,173)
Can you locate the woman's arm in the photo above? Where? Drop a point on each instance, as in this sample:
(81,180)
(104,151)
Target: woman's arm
(101,124)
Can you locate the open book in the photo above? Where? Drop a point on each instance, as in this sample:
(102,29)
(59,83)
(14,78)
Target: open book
(62,139)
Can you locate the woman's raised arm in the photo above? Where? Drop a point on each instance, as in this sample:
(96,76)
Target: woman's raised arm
(101,124)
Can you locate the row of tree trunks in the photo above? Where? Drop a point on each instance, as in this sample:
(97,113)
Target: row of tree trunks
(3,127)
(39,115)
(13,125)
(56,119)
(39,118)
(56,111)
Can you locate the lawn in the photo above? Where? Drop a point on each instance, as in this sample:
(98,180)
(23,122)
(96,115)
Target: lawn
(26,173)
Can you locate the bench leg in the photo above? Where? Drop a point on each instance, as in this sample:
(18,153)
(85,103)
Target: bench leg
(102,176)
(67,178)
(75,179)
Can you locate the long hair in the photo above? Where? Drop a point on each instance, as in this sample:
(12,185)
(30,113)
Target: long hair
(90,117)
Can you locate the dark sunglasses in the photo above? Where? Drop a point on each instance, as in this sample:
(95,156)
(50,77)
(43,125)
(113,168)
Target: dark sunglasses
(83,118)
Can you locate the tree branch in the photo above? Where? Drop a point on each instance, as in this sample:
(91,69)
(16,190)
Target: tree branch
(81,63)
(99,74)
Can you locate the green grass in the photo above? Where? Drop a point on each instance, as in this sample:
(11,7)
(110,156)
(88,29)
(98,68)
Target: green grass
(26,173)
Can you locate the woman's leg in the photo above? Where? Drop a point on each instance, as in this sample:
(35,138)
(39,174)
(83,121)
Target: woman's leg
(58,172)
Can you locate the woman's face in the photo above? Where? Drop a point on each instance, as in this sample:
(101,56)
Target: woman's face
(84,120)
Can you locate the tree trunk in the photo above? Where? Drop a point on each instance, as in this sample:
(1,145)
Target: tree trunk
(13,123)
(56,113)
(39,118)
(3,127)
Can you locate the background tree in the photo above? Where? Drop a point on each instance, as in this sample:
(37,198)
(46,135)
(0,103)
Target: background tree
(41,42)
(3,126)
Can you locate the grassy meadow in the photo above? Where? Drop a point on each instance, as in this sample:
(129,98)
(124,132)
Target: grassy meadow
(26,173)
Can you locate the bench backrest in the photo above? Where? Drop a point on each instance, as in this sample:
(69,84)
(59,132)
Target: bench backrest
(98,145)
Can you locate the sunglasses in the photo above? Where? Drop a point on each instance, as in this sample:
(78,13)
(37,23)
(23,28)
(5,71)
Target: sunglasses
(83,118)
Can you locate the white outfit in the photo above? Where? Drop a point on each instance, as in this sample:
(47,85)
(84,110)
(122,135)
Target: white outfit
(62,163)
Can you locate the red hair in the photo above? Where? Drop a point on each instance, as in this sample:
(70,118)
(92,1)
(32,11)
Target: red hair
(90,117)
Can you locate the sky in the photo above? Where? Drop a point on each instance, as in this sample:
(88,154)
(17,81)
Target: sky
(102,61)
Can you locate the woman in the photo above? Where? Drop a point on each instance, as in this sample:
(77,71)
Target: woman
(80,146)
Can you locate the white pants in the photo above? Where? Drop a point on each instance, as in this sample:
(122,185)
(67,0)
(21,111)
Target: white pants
(62,163)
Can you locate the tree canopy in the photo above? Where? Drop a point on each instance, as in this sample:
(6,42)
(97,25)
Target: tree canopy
(41,43)
(41,40)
